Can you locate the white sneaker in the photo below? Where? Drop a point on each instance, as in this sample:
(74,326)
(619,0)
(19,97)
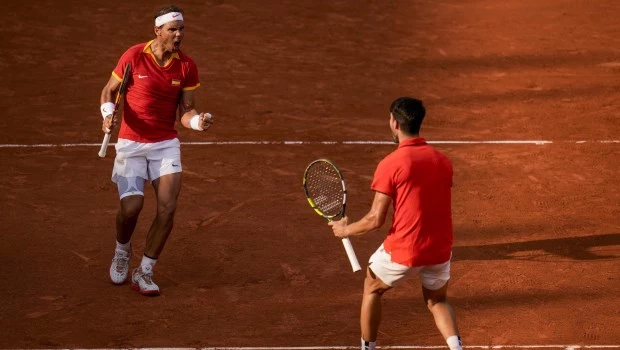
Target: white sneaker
(143,282)
(120,266)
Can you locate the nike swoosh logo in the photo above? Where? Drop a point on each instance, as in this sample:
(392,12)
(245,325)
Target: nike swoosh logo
(142,76)
(175,16)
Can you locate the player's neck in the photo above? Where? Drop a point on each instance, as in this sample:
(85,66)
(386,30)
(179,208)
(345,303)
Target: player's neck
(404,137)
(159,52)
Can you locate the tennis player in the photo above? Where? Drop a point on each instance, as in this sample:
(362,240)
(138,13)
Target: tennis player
(163,81)
(417,179)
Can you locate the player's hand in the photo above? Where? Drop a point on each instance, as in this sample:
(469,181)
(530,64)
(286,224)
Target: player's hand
(339,227)
(108,124)
(206,120)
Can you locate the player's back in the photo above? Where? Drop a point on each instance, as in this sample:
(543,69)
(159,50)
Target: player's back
(422,225)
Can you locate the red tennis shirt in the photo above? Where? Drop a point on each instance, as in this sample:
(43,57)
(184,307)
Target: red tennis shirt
(419,180)
(153,93)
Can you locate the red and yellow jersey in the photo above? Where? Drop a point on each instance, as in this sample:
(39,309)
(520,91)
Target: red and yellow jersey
(153,93)
(419,180)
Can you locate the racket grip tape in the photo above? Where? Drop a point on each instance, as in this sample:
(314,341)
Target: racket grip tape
(104,145)
(348,247)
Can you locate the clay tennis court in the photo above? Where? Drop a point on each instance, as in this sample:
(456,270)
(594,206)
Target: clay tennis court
(248,264)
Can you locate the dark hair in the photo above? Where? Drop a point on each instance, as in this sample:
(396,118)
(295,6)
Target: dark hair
(409,113)
(167,9)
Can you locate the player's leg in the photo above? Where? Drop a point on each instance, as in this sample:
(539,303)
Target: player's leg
(167,189)
(165,171)
(435,292)
(128,213)
(126,220)
(382,274)
(442,311)
(129,173)
(370,315)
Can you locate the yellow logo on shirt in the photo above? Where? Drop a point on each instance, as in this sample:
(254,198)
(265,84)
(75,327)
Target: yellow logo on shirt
(176,82)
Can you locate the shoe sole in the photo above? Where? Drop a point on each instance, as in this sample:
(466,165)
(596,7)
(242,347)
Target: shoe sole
(151,293)
(118,283)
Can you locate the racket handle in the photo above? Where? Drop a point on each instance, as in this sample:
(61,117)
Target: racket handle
(104,145)
(348,247)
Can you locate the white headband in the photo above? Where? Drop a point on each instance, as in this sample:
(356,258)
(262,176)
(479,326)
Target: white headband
(168,17)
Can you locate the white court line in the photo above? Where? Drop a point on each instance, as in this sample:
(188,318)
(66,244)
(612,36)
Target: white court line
(220,143)
(488,347)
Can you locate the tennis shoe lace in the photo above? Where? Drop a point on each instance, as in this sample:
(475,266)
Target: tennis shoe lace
(119,268)
(147,277)
(143,282)
(121,261)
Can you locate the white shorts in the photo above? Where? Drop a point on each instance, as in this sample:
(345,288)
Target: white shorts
(149,161)
(433,277)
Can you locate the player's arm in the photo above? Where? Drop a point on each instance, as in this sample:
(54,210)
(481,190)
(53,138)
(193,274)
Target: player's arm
(374,219)
(190,118)
(107,96)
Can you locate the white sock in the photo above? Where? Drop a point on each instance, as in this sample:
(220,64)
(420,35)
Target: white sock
(123,246)
(147,264)
(454,342)
(368,345)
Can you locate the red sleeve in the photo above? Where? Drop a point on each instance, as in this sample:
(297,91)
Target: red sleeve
(119,70)
(383,180)
(191,79)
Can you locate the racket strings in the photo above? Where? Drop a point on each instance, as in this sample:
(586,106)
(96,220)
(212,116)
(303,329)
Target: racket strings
(324,186)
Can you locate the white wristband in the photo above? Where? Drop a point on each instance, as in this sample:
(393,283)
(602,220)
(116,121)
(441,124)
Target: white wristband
(107,109)
(195,123)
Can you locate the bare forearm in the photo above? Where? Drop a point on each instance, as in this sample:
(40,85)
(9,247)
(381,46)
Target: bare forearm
(373,220)
(106,96)
(366,224)
(108,93)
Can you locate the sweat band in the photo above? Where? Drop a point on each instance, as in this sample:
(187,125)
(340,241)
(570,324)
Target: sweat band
(168,17)
(107,109)
(195,123)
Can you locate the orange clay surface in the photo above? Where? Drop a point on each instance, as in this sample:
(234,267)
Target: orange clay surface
(537,228)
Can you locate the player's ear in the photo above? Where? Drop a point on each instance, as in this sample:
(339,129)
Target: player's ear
(394,122)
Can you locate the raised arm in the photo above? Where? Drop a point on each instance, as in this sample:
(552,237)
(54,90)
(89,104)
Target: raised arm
(190,118)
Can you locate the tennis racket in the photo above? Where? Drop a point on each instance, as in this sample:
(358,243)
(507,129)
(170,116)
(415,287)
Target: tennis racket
(326,192)
(117,102)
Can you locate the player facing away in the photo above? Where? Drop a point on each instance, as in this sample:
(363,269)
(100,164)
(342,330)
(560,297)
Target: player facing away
(417,179)
(163,80)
